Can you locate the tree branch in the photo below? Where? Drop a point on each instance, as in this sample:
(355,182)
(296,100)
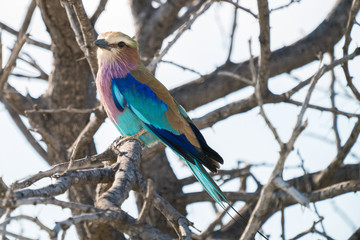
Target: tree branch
(322,39)
(328,172)
(88,35)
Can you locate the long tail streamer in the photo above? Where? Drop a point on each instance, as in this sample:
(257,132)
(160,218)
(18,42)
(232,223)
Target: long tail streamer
(215,192)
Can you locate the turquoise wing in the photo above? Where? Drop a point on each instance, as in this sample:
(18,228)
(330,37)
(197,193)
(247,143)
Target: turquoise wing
(127,122)
(152,111)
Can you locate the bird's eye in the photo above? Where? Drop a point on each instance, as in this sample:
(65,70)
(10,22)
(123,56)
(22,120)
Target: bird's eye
(121,44)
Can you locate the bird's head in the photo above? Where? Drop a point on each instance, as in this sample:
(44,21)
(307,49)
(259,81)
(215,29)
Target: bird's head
(117,48)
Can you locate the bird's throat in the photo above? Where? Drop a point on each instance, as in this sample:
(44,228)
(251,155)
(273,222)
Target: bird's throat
(118,65)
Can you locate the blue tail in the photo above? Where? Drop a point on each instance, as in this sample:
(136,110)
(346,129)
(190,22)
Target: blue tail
(195,159)
(215,192)
(207,182)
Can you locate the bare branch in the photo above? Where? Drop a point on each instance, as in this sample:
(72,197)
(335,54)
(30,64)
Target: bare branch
(232,32)
(333,106)
(353,11)
(240,7)
(83,163)
(4,233)
(125,176)
(5,72)
(15,116)
(32,62)
(285,6)
(299,197)
(182,67)
(61,110)
(283,60)
(312,229)
(87,133)
(216,222)
(119,220)
(98,11)
(148,198)
(31,219)
(27,18)
(331,110)
(151,66)
(28,39)
(87,36)
(171,214)
(236,77)
(328,172)
(264,39)
(257,216)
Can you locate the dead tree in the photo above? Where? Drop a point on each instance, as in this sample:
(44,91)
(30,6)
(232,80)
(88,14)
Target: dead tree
(67,115)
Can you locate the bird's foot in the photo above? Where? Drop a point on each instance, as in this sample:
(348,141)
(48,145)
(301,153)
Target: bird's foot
(135,136)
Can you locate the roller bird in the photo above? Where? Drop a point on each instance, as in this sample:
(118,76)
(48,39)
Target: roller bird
(141,106)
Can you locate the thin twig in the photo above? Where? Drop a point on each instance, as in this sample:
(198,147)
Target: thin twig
(285,6)
(328,172)
(23,128)
(16,236)
(98,11)
(27,18)
(182,67)
(353,11)
(331,110)
(120,220)
(82,163)
(147,201)
(216,222)
(5,72)
(86,135)
(28,39)
(32,62)
(232,33)
(181,30)
(31,219)
(236,77)
(48,138)
(283,223)
(260,79)
(320,217)
(240,7)
(312,229)
(333,106)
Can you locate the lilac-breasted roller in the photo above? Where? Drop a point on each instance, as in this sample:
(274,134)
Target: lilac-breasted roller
(136,101)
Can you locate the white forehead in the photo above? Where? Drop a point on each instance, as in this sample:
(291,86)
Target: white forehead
(116,37)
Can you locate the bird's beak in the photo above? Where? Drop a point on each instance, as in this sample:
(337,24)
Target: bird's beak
(101,43)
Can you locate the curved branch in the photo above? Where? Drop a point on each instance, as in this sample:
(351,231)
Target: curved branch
(128,162)
(304,51)
(98,11)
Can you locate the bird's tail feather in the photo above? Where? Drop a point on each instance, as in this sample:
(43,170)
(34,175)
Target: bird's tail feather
(200,173)
(207,182)
(215,192)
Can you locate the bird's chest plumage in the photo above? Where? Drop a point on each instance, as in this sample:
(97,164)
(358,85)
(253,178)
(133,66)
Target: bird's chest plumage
(106,97)
(118,112)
